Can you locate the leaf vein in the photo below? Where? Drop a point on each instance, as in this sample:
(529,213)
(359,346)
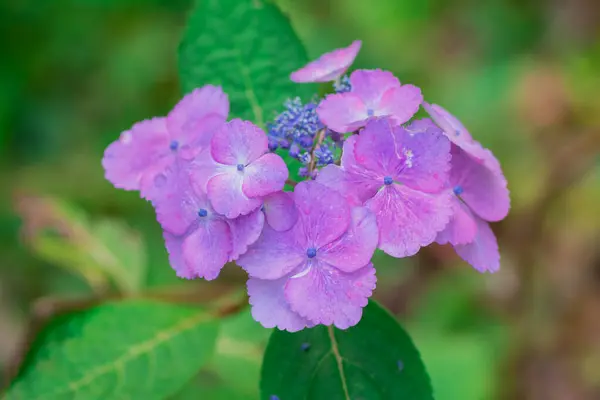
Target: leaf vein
(143,348)
(339,360)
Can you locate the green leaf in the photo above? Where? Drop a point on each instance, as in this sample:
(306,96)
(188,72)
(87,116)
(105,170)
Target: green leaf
(127,350)
(234,371)
(249,48)
(99,251)
(127,263)
(375,359)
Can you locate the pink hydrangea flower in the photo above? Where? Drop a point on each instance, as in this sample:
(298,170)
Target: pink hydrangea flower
(374,93)
(460,136)
(329,67)
(400,176)
(237,171)
(151,146)
(317,272)
(199,240)
(479,193)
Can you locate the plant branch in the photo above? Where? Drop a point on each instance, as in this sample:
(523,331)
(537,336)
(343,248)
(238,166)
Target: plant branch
(313,162)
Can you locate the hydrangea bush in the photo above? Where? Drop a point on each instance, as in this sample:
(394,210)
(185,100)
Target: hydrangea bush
(374,177)
(252,167)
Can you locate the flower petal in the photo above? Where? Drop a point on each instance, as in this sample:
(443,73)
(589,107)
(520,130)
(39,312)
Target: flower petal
(354,249)
(461,228)
(193,120)
(245,230)
(265,175)
(425,159)
(270,308)
(226,196)
(173,244)
(280,211)
(238,142)
(204,167)
(326,295)
(400,103)
(334,177)
(206,250)
(453,128)
(375,149)
(137,152)
(482,186)
(483,252)
(352,180)
(370,85)
(323,214)
(421,125)
(176,199)
(343,112)
(329,66)
(273,255)
(408,219)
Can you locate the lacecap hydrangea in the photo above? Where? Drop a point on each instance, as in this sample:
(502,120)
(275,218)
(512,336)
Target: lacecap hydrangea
(375,177)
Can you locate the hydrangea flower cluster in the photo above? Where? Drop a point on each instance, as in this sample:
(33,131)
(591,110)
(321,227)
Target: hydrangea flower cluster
(299,130)
(385,181)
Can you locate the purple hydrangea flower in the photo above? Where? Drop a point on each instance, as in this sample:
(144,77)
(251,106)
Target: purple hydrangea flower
(236,171)
(400,176)
(317,272)
(374,93)
(199,240)
(329,66)
(480,194)
(460,136)
(153,145)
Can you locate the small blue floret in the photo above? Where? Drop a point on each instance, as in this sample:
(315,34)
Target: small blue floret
(240,167)
(274,397)
(174,145)
(324,155)
(297,128)
(458,190)
(202,212)
(388,180)
(311,252)
(343,85)
(370,112)
(298,123)
(305,346)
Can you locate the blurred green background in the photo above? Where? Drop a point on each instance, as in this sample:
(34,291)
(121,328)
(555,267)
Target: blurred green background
(523,76)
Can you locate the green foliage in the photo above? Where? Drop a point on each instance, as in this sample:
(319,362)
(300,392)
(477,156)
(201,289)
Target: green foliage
(127,250)
(234,371)
(462,336)
(375,359)
(249,48)
(127,350)
(99,251)
(471,355)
